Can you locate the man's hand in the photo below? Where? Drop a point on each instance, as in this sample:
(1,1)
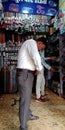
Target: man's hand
(52,70)
(52,57)
(36,72)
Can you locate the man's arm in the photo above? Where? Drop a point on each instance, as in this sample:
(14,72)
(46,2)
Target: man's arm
(50,58)
(44,59)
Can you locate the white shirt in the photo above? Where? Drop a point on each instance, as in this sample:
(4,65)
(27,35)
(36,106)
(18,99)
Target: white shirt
(28,56)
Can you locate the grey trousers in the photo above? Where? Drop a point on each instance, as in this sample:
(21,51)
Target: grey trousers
(24,83)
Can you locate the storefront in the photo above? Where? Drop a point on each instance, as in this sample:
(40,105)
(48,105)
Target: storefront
(37,18)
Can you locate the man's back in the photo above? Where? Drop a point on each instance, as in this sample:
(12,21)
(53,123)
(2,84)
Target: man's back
(28,56)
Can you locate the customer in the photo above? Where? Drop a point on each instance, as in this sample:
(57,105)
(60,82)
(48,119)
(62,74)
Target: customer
(29,61)
(40,83)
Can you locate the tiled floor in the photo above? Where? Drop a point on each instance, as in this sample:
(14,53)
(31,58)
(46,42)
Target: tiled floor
(51,113)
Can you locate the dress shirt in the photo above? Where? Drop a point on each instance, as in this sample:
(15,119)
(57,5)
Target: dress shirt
(29,57)
(43,60)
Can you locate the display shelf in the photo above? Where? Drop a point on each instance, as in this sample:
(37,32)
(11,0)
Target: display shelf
(8,80)
(56,47)
(53,50)
(8,62)
(62,63)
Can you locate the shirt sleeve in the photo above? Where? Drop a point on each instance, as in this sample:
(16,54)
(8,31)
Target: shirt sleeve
(43,60)
(33,52)
(45,64)
(42,55)
(47,58)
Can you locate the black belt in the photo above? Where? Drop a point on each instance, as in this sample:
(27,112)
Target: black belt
(25,70)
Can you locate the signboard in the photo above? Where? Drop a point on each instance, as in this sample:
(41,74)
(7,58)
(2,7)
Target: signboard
(39,7)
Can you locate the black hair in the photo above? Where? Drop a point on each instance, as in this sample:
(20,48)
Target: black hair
(42,39)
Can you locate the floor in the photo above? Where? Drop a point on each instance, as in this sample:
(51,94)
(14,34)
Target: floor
(51,113)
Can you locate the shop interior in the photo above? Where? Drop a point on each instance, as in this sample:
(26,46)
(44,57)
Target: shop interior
(13,29)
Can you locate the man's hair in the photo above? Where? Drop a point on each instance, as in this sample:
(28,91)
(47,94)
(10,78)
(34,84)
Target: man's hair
(42,39)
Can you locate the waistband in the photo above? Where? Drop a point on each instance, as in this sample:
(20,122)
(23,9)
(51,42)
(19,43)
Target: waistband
(25,70)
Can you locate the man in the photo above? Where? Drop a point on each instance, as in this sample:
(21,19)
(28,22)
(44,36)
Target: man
(29,61)
(40,83)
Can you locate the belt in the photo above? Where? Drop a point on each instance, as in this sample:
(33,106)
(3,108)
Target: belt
(25,70)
